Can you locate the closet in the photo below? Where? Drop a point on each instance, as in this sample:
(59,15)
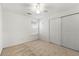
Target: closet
(70,31)
(55,30)
(62,31)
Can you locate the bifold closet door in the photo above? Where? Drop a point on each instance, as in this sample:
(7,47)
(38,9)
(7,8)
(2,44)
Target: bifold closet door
(70,31)
(55,31)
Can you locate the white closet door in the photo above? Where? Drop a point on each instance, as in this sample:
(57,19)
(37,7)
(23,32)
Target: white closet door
(70,31)
(55,31)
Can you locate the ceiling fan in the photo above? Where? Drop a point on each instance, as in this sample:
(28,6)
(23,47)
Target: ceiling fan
(38,8)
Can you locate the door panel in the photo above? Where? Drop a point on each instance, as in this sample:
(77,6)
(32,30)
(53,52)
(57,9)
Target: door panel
(70,31)
(55,30)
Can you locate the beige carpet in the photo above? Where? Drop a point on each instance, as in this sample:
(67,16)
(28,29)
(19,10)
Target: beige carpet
(38,48)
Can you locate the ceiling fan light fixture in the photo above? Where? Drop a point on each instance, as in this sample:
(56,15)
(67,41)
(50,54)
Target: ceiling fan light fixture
(38,11)
(37,8)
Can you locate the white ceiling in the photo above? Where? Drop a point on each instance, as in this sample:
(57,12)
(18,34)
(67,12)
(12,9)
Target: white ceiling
(59,7)
(52,8)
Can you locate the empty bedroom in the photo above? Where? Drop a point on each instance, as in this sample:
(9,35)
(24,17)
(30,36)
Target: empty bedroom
(39,29)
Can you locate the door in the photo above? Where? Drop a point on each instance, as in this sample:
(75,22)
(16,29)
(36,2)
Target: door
(55,31)
(35,28)
(70,31)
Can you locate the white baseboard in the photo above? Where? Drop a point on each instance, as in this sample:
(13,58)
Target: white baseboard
(18,42)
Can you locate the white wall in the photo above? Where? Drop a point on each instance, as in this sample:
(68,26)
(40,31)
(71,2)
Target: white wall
(55,30)
(0,29)
(70,31)
(17,28)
